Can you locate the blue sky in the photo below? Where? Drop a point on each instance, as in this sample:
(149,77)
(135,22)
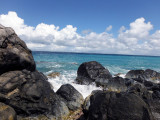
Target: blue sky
(93,16)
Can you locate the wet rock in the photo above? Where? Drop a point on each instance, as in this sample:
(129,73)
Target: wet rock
(118,106)
(7,112)
(14,54)
(71,96)
(93,71)
(54,75)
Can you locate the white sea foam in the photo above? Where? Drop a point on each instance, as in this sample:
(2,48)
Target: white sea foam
(69,78)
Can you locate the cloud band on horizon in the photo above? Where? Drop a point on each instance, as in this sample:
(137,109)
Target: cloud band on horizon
(136,40)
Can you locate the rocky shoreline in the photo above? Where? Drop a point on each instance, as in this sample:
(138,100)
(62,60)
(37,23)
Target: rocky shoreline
(25,93)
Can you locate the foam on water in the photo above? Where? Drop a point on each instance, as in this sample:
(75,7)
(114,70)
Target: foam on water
(69,78)
(67,64)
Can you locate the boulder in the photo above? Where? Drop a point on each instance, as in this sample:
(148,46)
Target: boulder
(93,71)
(151,75)
(135,74)
(21,86)
(30,93)
(118,106)
(71,96)
(148,74)
(14,54)
(152,98)
(7,112)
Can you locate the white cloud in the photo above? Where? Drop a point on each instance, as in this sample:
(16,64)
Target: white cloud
(135,40)
(109,28)
(139,30)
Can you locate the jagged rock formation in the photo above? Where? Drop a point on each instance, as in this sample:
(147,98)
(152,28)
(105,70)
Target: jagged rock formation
(22,87)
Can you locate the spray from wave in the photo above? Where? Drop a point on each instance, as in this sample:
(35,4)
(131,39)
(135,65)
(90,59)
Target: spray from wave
(68,77)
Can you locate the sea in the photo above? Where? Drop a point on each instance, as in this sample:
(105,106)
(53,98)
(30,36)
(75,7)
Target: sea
(67,65)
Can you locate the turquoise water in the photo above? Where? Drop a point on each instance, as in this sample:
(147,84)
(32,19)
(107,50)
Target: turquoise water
(67,64)
(60,62)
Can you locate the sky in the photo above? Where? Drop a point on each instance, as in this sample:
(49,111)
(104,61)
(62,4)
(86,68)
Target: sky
(90,26)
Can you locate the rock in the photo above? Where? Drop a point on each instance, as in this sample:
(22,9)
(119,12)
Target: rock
(129,82)
(54,74)
(152,98)
(155,108)
(30,93)
(59,110)
(71,96)
(117,84)
(141,91)
(93,71)
(14,54)
(156,95)
(118,106)
(135,74)
(148,74)
(39,117)
(21,85)
(75,115)
(151,75)
(148,84)
(7,112)
(87,101)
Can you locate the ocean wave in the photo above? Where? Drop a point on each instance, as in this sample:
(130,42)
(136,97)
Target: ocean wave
(69,78)
(116,69)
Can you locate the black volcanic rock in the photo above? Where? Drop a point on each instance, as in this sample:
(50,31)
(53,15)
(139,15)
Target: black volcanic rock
(22,87)
(14,54)
(30,93)
(93,71)
(117,106)
(147,74)
(71,96)
(134,74)
(141,91)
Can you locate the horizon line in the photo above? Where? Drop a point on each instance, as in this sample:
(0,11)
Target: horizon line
(97,53)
